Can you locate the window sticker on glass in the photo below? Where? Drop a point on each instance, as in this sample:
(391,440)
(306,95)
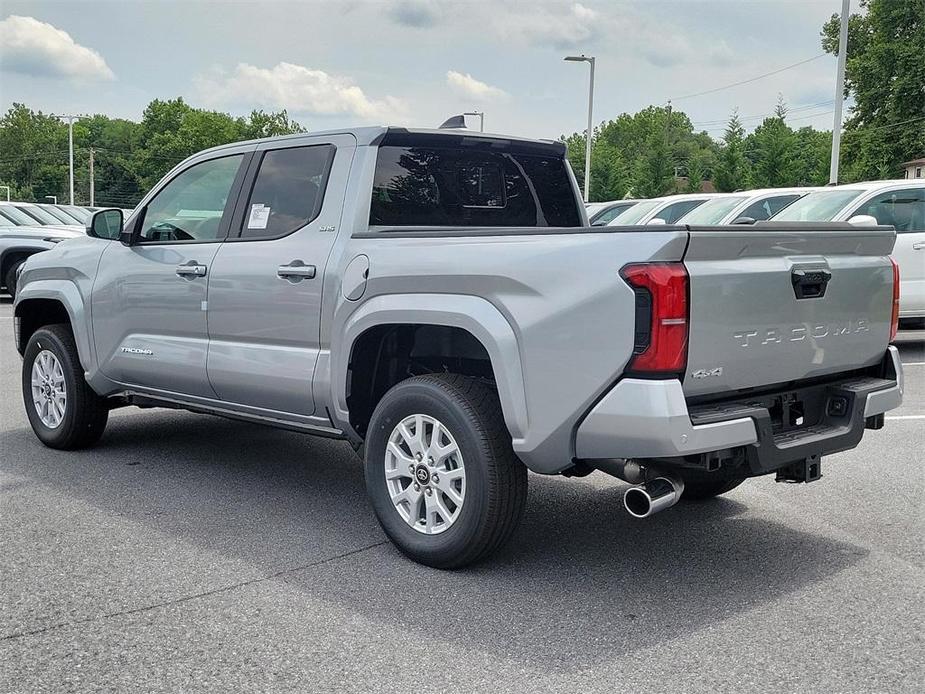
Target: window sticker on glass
(260,215)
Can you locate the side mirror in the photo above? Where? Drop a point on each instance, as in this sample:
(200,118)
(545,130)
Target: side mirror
(656,221)
(105,224)
(743,220)
(863,220)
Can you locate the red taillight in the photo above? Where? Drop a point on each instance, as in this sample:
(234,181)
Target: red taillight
(894,319)
(660,346)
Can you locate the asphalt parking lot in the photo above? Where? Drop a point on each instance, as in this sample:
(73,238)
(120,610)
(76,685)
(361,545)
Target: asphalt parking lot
(188,553)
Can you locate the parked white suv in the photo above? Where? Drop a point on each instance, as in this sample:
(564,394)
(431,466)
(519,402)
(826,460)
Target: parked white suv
(900,204)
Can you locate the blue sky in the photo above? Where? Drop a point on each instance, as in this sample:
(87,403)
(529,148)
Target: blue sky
(415,62)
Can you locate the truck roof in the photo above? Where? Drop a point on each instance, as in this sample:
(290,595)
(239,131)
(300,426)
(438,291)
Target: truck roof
(368,135)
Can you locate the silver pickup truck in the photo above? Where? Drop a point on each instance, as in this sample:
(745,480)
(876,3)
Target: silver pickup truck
(437,299)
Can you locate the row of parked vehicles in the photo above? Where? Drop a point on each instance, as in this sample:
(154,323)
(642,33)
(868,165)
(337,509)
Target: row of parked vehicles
(27,228)
(899,204)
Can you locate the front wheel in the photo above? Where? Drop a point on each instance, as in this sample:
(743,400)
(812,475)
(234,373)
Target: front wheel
(63,410)
(440,471)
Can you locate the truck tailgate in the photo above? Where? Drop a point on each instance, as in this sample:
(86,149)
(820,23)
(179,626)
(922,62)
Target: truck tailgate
(775,303)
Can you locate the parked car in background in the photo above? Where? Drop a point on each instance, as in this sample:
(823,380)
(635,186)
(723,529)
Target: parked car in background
(38,215)
(898,203)
(602,213)
(81,214)
(18,242)
(666,210)
(747,207)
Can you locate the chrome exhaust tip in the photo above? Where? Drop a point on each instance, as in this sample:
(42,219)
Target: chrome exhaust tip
(653,496)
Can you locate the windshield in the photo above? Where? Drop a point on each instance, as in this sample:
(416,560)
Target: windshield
(636,212)
(79,213)
(17,216)
(712,211)
(60,215)
(821,206)
(40,215)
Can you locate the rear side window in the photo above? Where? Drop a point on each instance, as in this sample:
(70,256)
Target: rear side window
(288,191)
(761,210)
(476,185)
(902,209)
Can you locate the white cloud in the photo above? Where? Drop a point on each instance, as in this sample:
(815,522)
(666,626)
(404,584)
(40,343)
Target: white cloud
(31,47)
(298,89)
(466,85)
(555,25)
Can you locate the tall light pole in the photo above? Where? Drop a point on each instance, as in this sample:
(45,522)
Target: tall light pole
(839,92)
(70,147)
(590,60)
(481,115)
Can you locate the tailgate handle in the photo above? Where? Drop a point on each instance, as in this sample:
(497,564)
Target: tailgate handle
(810,283)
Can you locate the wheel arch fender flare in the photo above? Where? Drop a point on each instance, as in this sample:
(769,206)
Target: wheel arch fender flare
(471,313)
(67,294)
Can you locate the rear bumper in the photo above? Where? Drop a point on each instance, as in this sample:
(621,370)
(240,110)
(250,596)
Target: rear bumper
(651,419)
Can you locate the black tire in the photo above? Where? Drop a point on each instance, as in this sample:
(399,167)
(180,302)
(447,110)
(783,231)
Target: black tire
(10,279)
(702,486)
(85,413)
(496,481)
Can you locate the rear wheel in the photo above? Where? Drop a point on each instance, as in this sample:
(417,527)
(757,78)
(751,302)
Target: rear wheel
(10,279)
(700,486)
(63,410)
(440,471)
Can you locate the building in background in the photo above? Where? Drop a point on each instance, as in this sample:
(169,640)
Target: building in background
(914,168)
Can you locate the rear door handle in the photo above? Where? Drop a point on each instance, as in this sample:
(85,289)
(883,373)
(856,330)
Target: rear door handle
(192,269)
(296,271)
(918,246)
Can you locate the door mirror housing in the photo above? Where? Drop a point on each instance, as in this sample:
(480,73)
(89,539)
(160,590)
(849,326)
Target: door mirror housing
(743,220)
(655,221)
(106,224)
(863,220)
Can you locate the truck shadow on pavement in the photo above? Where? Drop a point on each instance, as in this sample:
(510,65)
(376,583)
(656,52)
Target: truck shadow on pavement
(580,583)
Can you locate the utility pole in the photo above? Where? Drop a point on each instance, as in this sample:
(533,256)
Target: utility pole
(590,60)
(70,148)
(91,178)
(839,92)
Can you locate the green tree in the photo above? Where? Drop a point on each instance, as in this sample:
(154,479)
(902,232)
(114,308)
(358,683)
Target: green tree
(770,149)
(695,173)
(731,172)
(885,74)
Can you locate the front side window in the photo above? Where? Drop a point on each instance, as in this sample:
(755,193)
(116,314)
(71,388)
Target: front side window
(902,209)
(288,191)
(634,214)
(477,185)
(761,210)
(190,207)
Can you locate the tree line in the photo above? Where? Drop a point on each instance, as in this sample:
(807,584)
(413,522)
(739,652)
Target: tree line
(128,157)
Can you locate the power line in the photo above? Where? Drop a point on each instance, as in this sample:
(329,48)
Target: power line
(762,116)
(751,79)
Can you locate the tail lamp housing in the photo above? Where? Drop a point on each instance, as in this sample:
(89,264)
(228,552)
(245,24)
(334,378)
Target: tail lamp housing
(894,318)
(662,313)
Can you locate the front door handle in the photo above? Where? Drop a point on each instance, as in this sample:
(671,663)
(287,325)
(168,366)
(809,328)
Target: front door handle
(191,269)
(918,246)
(296,271)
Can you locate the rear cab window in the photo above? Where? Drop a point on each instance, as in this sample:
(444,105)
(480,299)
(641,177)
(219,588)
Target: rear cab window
(441,180)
